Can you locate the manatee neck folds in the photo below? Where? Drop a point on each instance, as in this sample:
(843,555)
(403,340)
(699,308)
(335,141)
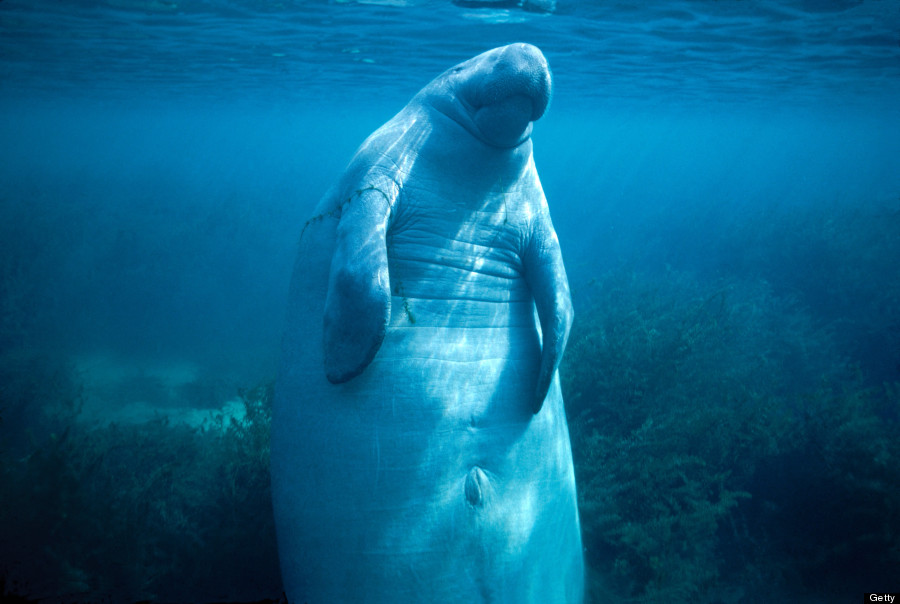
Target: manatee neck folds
(503,125)
(494,98)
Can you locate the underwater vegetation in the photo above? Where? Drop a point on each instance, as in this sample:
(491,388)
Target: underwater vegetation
(734,426)
(722,447)
(155,511)
(733,433)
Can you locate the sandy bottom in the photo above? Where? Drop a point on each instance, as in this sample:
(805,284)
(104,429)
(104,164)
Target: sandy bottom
(130,392)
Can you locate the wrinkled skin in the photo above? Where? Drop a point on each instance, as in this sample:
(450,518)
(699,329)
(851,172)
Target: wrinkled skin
(419,443)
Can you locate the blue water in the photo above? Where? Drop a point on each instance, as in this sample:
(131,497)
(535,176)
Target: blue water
(800,52)
(159,156)
(158,159)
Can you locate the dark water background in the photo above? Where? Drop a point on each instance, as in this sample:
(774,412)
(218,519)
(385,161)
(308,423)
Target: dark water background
(158,159)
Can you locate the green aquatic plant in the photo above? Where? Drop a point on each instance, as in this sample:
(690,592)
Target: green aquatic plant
(837,488)
(655,409)
(837,257)
(151,511)
(683,398)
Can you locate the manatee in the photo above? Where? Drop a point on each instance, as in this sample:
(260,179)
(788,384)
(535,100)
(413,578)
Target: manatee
(420,451)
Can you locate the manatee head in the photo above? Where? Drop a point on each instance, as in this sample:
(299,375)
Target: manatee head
(496,95)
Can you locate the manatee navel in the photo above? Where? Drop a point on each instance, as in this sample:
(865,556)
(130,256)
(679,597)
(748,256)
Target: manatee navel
(476,481)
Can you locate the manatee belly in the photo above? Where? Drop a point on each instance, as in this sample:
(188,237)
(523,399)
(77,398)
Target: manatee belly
(427,477)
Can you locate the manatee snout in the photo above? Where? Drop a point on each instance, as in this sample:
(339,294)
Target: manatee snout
(514,90)
(518,70)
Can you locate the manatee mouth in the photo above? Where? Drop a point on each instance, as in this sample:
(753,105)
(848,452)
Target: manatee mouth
(507,122)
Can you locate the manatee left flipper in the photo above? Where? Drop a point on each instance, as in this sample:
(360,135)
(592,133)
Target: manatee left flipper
(546,275)
(358,302)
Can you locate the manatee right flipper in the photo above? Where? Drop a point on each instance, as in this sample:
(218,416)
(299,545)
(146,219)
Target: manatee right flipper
(358,303)
(546,275)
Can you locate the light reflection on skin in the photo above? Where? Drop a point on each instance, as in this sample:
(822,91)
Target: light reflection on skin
(425,463)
